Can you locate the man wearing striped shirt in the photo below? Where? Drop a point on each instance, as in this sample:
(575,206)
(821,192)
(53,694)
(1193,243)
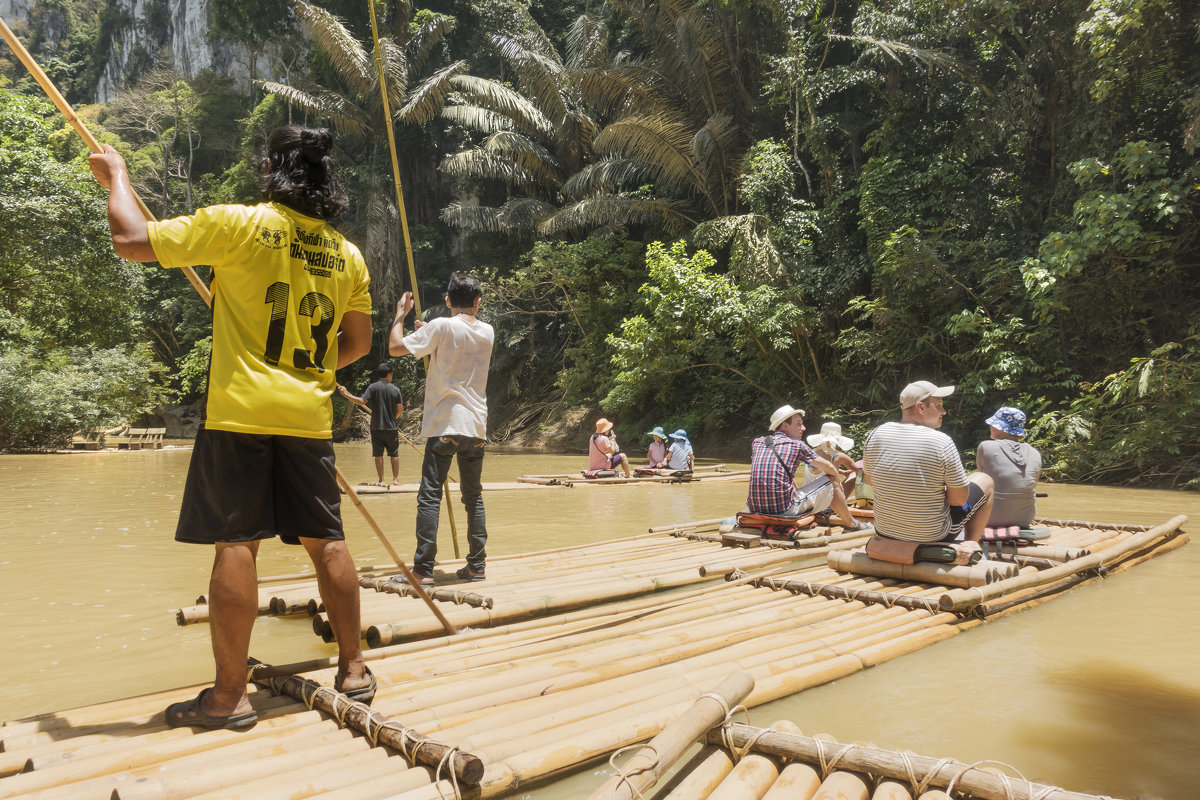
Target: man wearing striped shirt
(922,491)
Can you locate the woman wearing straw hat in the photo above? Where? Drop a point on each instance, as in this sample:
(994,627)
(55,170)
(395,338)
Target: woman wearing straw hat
(832,446)
(657,452)
(1014,467)
(603,450)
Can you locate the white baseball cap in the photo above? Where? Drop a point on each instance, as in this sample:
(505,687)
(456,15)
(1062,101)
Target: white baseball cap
(920,390)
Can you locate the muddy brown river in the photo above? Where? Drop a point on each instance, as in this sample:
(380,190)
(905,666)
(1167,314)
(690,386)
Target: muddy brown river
(1097,690)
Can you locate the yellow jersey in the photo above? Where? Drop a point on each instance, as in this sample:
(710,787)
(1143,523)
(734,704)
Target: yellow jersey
(281,282)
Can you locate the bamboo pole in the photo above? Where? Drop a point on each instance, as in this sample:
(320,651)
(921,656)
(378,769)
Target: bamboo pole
(412,579)
(92,143)
(956,600)
(977,783)
(981,574)
(65,107)
(795,782)
(754,774)
(648,764)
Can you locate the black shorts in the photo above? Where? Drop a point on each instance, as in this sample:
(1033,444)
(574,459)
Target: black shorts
(960,514)
(385,440)
(242,487)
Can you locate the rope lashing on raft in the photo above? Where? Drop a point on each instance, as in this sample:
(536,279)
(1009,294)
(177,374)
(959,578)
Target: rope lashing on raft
(1044,794)
(726,729)
(625,774)
(919,786)
(447,758)
(830,764)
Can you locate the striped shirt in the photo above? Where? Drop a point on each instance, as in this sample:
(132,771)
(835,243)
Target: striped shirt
(772,490)
(910,467)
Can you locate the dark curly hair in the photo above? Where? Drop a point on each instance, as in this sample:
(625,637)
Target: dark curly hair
(298,172)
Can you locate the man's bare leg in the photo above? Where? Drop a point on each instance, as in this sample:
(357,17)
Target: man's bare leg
(841,508)
(379,468)
(395,471)
(338,584)
(232,608)
(973,529)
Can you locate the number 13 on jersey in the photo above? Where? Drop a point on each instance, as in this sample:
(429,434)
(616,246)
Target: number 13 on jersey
(314,306)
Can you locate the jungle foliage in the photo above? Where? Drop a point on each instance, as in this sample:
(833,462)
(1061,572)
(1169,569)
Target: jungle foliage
(699,211)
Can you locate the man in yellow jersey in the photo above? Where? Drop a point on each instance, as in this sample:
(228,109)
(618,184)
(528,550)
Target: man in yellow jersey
(291,304)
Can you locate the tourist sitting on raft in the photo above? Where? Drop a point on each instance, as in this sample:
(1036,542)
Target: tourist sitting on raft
(680,457)
(604,454)
(775,460)
(922,492)
(656,454)
(832,446)
(1014,467)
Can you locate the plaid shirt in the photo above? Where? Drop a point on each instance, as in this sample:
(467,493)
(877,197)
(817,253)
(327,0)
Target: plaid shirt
(772,490)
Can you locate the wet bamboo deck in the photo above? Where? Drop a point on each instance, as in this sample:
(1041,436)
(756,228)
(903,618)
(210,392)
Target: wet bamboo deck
(535,698)
(412,488)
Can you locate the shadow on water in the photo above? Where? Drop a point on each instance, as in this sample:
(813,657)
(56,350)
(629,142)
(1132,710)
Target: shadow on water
(1129,725)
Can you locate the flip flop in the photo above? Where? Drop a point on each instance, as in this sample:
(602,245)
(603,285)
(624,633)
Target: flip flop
(188,714)
(363,694)
(424,580)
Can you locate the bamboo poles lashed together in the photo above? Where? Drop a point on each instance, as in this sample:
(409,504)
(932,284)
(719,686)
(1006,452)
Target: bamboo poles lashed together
(73,119)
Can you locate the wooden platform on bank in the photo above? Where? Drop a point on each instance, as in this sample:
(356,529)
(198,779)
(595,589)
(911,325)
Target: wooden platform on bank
(547,691)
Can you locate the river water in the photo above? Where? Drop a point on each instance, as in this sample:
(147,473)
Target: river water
(1097,690)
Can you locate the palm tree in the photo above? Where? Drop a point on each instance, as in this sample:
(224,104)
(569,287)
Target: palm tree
(355,110)
(601,141)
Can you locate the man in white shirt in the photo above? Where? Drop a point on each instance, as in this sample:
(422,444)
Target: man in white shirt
(922,491)
(455,417)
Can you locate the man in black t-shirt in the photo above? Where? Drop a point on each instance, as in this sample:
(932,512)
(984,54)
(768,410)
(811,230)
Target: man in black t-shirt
(385,401)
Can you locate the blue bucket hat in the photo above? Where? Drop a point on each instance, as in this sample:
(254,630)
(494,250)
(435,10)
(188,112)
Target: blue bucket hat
(1008,420)
(658,431)
(680,434)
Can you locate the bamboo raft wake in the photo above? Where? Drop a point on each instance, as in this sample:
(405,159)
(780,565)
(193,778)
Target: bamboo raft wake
(535,698)
(742,762)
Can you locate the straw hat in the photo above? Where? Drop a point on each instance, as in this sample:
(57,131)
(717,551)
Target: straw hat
(657,432)
(921,390)
(1008,420)
(831,432)
(783,413)
(603,425)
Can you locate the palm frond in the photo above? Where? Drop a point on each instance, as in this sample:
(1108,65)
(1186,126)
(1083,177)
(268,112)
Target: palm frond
(425,38)
(615,92)
(717,151)
(538,75)
(346,54)
(895,49)
(476,118)
(607,176)
(483,166)
(346,117)
(395,66)
(504,100)
(528,154)
(661,144)
(587,43)
(576,133)
(428,98)
(617,212)
(519,216)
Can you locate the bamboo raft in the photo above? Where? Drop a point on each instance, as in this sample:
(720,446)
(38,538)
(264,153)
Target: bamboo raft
(717,473)
(534,698)
(742,762)
(412,488)
(524,586)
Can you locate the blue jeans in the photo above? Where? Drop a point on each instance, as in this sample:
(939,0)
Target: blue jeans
(435,467)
